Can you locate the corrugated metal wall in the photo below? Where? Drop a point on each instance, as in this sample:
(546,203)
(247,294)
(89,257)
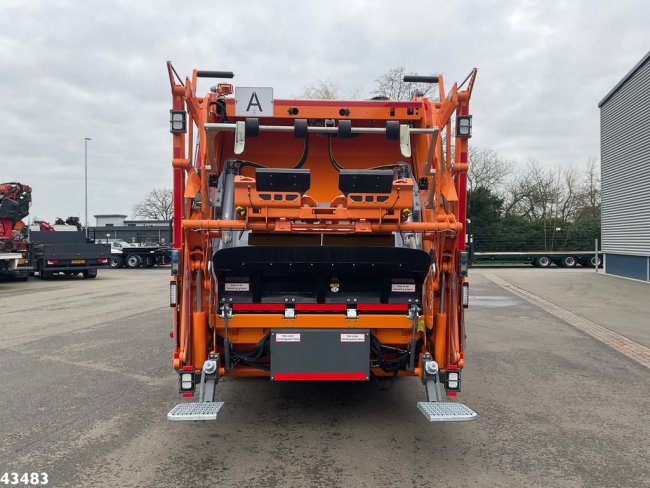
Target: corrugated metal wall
(625,159)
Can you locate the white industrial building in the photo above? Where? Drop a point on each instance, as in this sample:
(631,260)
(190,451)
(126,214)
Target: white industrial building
(625,173)
(110,220)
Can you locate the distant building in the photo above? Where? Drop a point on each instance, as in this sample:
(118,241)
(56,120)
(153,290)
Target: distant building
(625,173)
(115,226)
(110,220)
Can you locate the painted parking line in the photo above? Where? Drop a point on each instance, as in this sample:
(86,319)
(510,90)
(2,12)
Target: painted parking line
(633,350)
(492,301)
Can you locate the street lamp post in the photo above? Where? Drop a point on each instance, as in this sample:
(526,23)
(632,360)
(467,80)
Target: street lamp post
(86,139)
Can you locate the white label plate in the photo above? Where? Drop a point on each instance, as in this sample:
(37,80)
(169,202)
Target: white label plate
(237,287)
(402,287)
(283,337)
(353,337)
(253,101)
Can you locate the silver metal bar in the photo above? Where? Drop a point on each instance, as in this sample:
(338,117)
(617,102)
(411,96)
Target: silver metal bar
(226,316)
(217,127)
(228,204)
(415,317)
(209,379)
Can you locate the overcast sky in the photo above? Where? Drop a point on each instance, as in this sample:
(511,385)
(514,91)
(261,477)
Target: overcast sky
(84,68)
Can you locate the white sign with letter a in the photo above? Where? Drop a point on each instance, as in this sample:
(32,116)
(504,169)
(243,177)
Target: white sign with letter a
(253,101)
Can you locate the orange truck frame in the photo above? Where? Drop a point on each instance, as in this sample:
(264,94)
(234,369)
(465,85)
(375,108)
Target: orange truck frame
(318,240)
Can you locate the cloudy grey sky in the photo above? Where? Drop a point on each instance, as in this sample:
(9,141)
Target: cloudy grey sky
(86,68)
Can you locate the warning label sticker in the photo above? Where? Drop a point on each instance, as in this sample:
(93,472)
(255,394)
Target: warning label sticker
(353,337)
(403,287)
(237,286)
(283,337)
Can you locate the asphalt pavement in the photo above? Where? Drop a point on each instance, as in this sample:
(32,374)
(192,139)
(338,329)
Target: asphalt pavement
(86,384)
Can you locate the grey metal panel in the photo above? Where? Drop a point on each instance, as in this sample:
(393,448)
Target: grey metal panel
(320,351)
(625,163)
(625,78)
(628,266)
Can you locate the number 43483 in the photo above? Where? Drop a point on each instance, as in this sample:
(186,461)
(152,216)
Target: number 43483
(24,479)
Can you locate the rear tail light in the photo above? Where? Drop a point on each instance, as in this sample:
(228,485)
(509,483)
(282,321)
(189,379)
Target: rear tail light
(465,295)
(102,260)
(464,126)
(186,380)
(173,294)
(452,380)
(53,262)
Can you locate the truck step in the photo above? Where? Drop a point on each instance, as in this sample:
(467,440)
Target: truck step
(195,411)
(446,412)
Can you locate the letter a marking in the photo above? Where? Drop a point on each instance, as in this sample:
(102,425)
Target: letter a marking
(254,102)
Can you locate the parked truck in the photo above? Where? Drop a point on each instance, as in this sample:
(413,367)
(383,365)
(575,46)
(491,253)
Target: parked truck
(15,200)
(318,240)
(67,252)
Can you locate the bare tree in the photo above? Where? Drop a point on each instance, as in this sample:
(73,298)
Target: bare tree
(392,86)
(545,195)
(157,205)
(323,90)
(566,207)
(589,191)
(532,193)
(487,169)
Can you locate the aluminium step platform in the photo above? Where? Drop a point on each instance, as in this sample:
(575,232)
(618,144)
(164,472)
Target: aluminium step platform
(446,412)
(195,411)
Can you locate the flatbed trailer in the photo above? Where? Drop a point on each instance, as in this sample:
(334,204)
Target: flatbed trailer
(539,259)
(67,253)
(137,256)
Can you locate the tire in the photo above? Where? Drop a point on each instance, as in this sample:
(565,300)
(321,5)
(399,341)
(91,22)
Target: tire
(90,274)
(133,261)
(116,261)
(569,262)
(543,262)
(593,260)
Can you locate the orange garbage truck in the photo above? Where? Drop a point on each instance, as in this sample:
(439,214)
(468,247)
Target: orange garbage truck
(318,240)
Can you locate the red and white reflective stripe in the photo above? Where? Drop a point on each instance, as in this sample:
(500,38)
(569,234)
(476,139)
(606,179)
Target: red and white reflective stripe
(320,376)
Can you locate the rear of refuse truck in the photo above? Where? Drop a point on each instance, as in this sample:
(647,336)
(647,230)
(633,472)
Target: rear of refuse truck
(318,240)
